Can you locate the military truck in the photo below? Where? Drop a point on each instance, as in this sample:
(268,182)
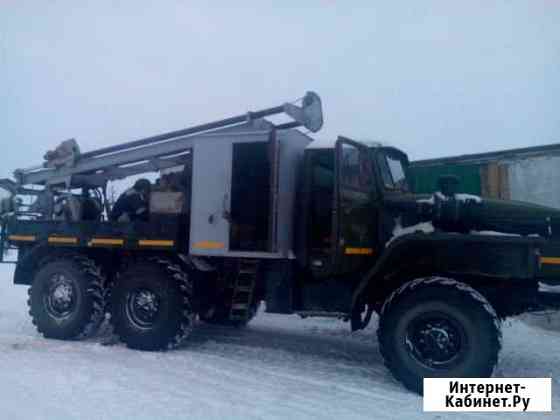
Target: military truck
(261,212)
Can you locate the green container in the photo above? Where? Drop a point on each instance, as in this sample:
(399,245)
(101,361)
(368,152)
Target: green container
(425,178)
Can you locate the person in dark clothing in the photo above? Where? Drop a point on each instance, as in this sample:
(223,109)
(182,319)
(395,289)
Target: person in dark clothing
(133,204)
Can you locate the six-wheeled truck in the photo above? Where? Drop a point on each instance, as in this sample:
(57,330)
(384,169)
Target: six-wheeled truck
(247,211)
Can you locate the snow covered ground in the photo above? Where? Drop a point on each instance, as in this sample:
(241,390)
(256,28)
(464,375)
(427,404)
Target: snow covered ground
(280,367)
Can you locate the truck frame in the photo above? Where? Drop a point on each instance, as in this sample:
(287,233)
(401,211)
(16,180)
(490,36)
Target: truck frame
(260,213)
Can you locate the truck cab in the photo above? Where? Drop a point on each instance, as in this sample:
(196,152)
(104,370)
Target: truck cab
(343,190)
(362,231)
(339,224)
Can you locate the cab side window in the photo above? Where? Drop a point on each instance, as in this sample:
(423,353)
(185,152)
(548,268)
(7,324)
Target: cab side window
(356,169)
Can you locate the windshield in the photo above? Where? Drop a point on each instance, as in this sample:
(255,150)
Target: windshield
(393,172)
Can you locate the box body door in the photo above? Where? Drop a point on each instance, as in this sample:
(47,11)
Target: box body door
(210,201)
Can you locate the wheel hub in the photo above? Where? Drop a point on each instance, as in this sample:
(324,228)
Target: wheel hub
(62,294)
(436,342)
(437,338)
(142,307)
(60,298)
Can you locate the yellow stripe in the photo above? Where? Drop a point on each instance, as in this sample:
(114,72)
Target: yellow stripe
(22,238)
(62,240)
(550,260)
(209,245)
(101,241)
(358,251)
(153,242)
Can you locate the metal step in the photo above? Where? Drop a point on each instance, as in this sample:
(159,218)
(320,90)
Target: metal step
(244,287)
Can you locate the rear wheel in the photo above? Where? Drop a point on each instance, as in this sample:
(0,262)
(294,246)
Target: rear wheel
(66,298)
(151,305)
(438,327)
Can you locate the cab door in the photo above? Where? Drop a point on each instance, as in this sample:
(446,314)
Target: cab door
(354,216)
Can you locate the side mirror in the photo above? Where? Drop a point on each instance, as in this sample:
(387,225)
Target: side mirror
(448,185)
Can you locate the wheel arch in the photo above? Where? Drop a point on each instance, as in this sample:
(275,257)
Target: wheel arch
(32,259)
(442,254)
(401,260)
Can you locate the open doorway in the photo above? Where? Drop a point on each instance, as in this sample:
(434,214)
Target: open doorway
(251,197)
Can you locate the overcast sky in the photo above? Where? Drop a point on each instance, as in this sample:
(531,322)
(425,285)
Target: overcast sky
(435,78)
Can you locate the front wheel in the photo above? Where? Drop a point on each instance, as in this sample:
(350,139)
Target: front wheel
(438,327)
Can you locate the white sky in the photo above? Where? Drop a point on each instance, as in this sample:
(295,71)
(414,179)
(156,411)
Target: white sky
(433,77)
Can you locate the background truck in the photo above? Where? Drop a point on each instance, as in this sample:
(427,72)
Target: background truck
(257,213)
